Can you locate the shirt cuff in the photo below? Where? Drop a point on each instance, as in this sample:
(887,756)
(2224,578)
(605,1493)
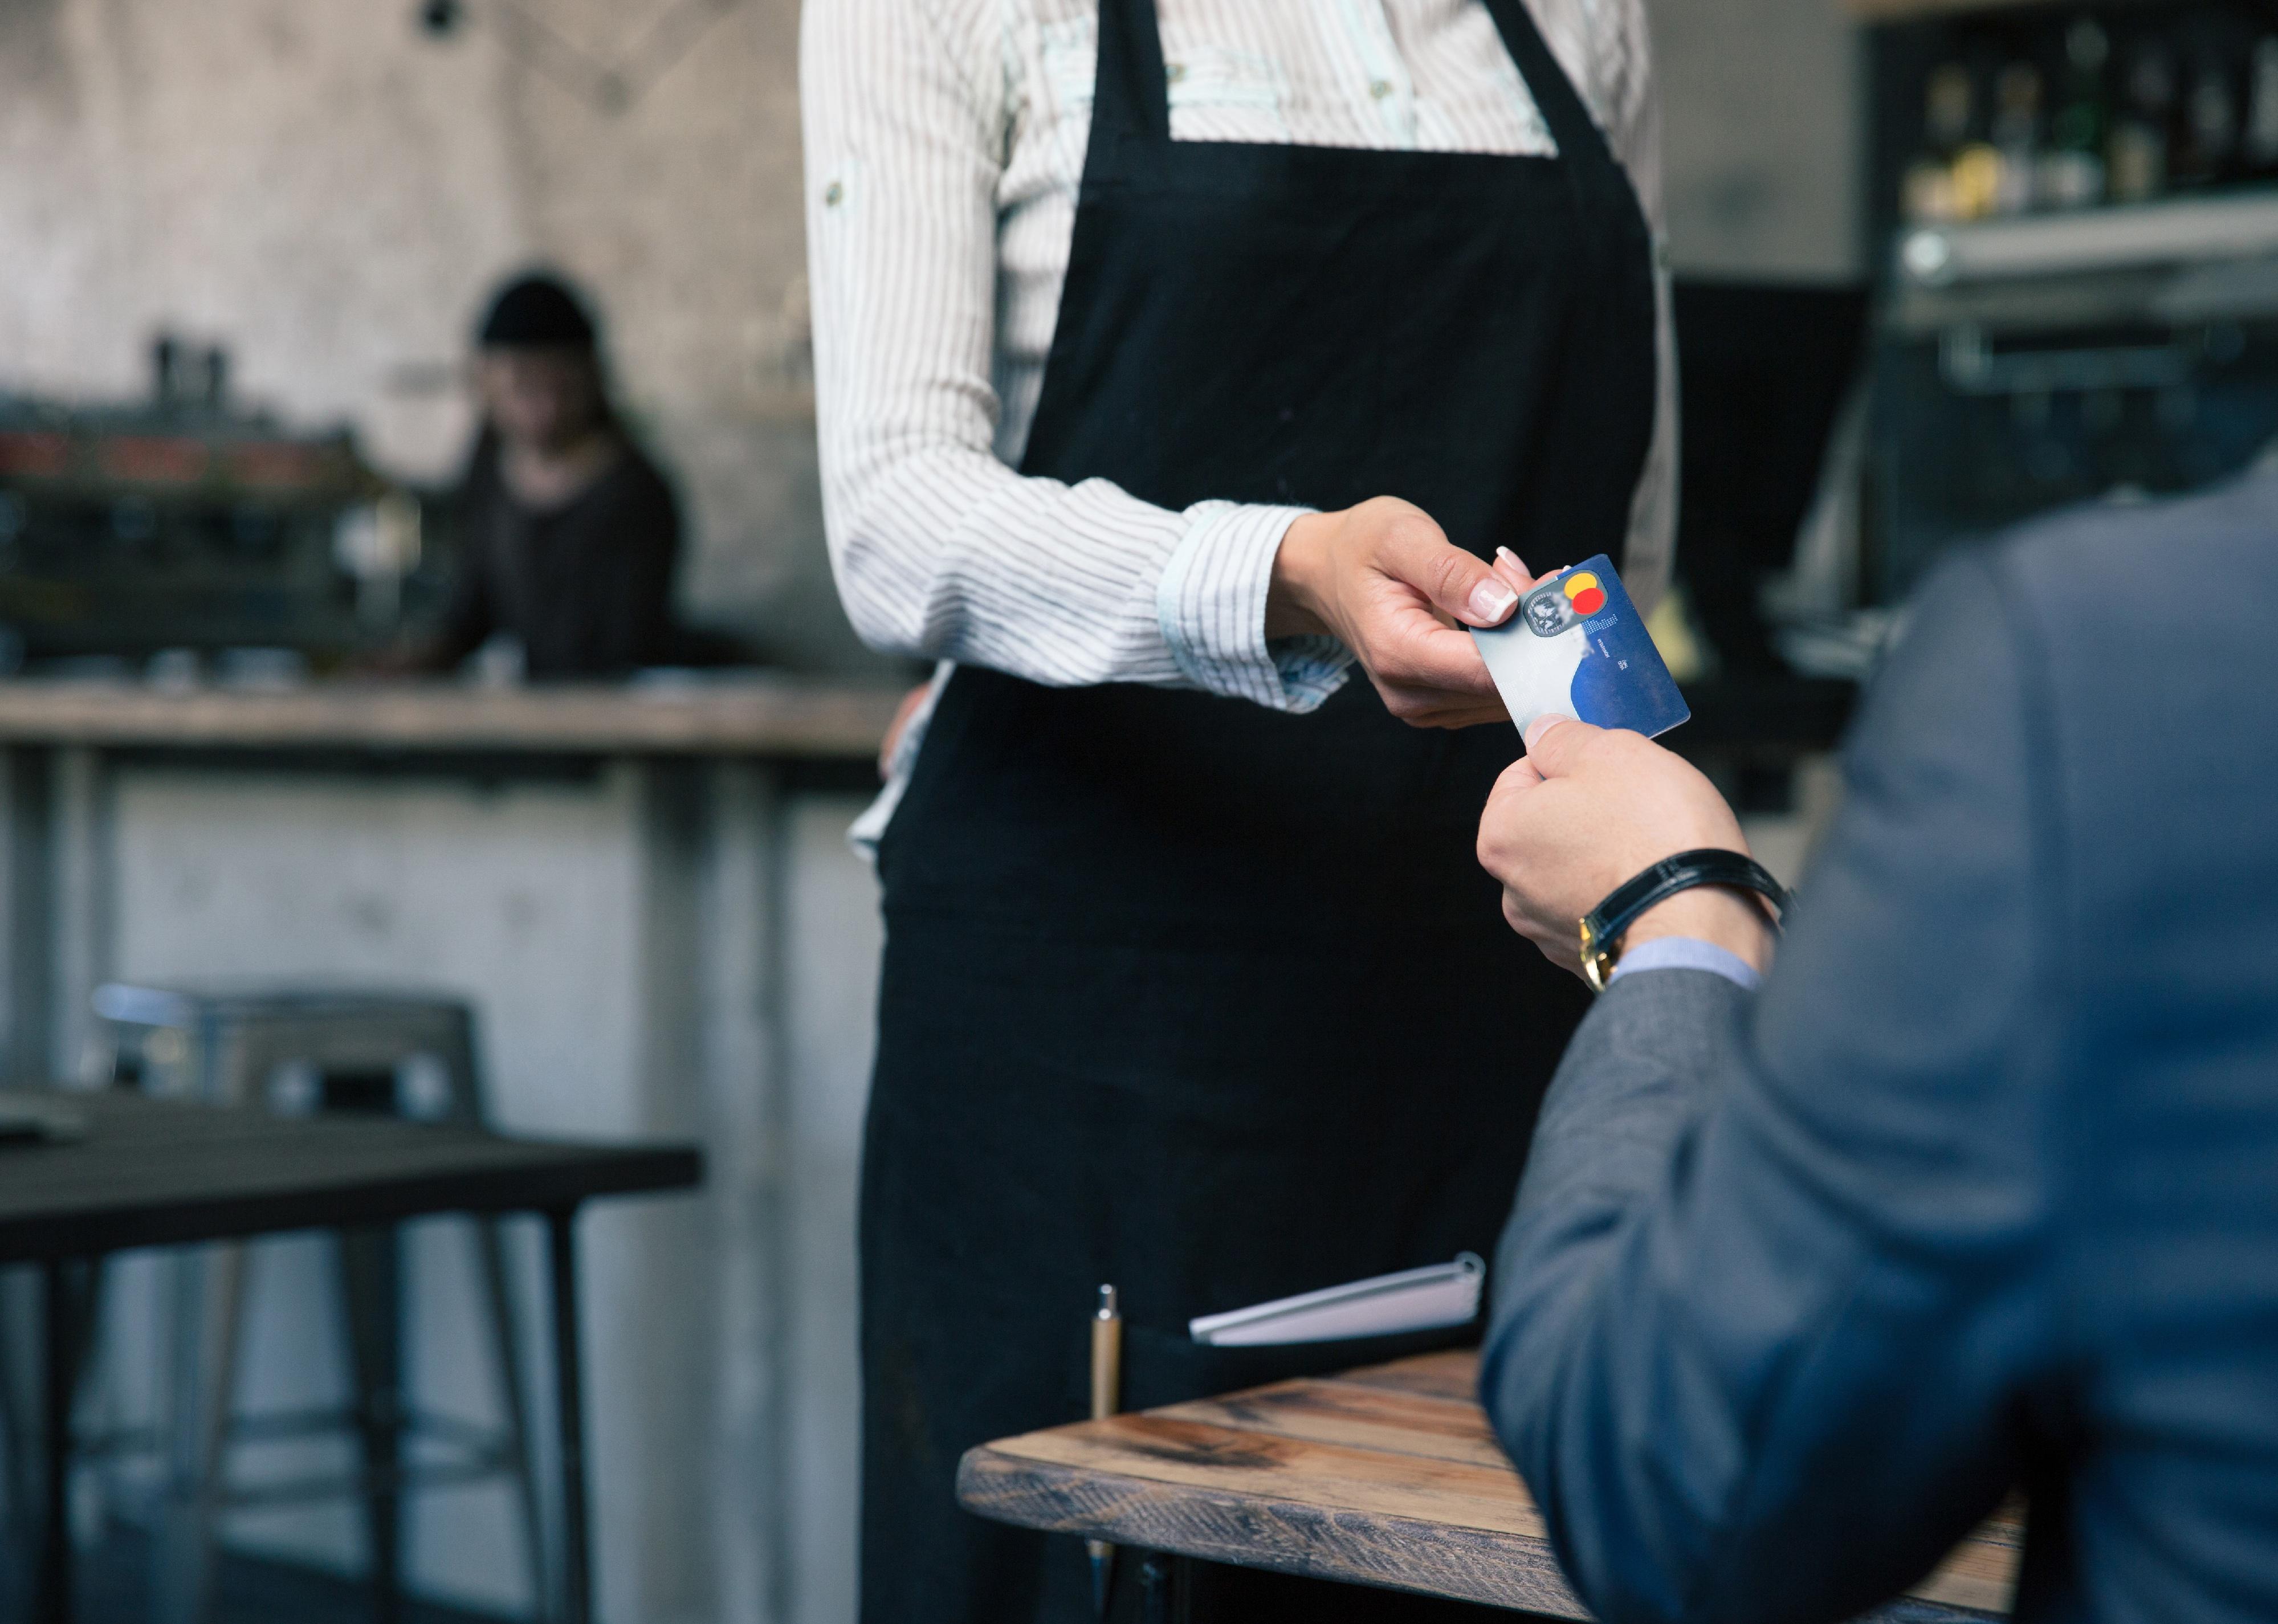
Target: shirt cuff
(1211,607)
(1687,953)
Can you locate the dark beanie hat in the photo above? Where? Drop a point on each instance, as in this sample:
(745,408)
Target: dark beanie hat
(536,311)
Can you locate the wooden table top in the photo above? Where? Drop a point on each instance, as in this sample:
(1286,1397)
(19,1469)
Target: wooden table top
(756,714)
(1385,1476)
(165,1172)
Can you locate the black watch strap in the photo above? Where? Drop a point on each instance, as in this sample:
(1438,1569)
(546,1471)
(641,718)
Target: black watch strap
(1603,928)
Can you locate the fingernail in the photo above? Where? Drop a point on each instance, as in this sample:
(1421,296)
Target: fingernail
(1513,559)
(1492,598)
(1536,729)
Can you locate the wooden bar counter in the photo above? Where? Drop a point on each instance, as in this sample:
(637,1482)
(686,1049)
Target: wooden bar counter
(1385,1476)
(757,715)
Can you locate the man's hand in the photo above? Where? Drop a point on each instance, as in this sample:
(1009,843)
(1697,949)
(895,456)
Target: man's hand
(1385,580)
(1589,808)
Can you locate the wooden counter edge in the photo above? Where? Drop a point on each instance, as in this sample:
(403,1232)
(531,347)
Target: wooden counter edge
(1287,1536)
(768,717)
(1314,1540)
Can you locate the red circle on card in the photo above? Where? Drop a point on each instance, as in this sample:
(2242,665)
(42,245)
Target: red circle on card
(1589,601)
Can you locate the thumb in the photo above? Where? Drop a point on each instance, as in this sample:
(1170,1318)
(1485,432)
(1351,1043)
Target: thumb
(1461,586)
(1556,743)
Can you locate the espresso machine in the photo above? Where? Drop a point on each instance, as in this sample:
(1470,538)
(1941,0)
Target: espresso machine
(187,528)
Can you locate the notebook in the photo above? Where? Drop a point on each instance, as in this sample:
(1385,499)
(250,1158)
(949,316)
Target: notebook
(1428,1298)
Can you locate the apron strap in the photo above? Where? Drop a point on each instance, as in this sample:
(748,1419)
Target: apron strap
(1579,139)
(1131,96)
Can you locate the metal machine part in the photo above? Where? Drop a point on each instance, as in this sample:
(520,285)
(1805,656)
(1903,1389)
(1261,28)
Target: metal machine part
(185,523)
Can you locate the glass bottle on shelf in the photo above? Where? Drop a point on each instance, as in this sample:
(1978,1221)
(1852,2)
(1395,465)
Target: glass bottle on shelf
(2016,133)
(1976,181)
(2072,174)
(2262,111)
(2208,146)
(2139,137)
(1928,195)
(1977,162)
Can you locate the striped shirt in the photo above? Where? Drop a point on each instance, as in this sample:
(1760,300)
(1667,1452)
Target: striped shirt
(946,144)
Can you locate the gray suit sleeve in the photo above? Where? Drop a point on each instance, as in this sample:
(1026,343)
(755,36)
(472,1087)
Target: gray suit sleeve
(1774,1283)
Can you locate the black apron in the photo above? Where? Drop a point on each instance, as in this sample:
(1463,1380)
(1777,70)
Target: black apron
(1203,999)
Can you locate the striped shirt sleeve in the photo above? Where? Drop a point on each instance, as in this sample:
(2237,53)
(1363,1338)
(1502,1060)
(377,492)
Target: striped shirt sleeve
(939,548)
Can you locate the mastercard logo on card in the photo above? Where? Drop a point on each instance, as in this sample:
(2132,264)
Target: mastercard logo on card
(1557,605)
(1584,592)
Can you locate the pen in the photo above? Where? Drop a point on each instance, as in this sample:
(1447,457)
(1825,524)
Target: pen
(1106,1384)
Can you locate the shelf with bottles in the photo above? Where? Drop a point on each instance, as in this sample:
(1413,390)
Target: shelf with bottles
(2201,233)
(2070,110)
(2073,215)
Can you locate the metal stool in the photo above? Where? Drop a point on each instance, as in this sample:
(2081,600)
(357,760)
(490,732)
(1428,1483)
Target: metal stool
(230,1047)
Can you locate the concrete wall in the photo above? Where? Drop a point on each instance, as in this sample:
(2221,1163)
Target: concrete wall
(1765,136)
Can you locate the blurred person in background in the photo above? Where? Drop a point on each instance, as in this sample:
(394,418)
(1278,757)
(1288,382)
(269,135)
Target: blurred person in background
(568,533)
(1977,1191)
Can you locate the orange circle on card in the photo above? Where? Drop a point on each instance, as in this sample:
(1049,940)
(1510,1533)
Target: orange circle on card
(1575,585)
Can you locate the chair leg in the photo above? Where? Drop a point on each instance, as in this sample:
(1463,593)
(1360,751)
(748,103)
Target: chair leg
(210,1288)
(459,1053)
(372,1281)
(19,1402)
(506,1348)
(68,1303)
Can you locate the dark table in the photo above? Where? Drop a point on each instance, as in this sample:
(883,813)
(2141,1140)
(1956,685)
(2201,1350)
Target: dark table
(165,1173)
(1388,1476)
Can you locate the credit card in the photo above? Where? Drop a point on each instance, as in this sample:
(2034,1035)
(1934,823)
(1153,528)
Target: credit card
(1578,647)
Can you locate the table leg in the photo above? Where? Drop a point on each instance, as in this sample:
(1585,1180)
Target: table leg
(1165,1588)
(577,1580)
(371,1289)
(58,1380)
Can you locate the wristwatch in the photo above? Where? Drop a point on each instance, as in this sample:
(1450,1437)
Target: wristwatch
(1603,928)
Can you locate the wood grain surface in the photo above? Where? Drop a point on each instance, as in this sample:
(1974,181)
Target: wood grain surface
(1388,1476)
(755,715)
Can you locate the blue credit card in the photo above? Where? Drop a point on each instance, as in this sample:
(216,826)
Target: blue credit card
(1578,647)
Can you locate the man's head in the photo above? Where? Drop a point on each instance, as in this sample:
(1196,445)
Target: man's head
(538,364)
